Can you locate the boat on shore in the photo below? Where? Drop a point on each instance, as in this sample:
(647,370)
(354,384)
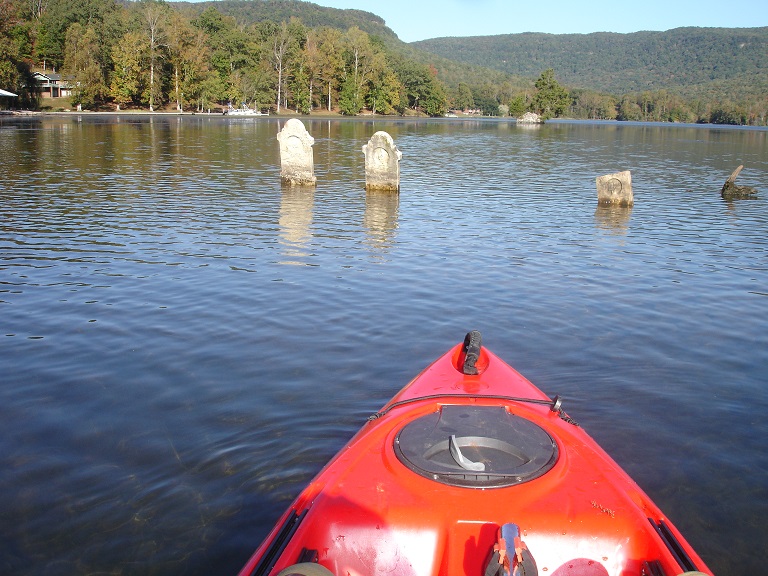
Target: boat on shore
(244,110)
(469,470)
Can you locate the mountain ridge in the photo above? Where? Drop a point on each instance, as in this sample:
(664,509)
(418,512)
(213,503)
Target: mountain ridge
(684,60)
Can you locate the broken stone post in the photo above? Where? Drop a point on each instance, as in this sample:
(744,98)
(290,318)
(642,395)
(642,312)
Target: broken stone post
(297,166)
(382,163)
(731,190)
(615,189)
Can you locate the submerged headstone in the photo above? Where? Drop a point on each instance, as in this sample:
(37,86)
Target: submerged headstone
(615,189)
(297,167)
(382,163)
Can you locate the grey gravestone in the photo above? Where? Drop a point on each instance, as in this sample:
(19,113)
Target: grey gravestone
(382,163)
(615,189)
(297,166)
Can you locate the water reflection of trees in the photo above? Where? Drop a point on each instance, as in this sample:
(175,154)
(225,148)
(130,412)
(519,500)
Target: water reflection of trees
(613,218)
(380,219)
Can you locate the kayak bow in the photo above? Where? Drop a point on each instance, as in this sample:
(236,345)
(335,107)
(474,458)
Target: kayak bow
(469,450)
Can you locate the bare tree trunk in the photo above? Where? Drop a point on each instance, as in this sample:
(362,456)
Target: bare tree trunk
(279,49)
(176,75)
(279,86)
(153,17)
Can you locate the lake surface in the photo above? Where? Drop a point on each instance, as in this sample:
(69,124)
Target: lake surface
(184,343)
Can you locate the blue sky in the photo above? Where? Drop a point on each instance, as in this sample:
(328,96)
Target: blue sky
(420,19)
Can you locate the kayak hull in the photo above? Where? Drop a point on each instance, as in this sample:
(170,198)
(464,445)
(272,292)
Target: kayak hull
(429,508)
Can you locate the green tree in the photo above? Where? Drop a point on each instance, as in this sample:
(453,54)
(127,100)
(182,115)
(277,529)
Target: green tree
(462,99)
(349,103)
(229,52)
(127,56)
(283,46)
(384,92)
(592,105)
(56,16)
(485,98)
(518,105)
(155,22)
(81,67)
(551,99)
(180,39)
(15,72)
(422,91)
(331,61)
(360,65)
(190,58)
(434,101)
(48,49)
(628,109)
(299,88)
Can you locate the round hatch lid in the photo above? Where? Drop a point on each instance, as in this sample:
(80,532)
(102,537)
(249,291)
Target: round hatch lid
(476,447)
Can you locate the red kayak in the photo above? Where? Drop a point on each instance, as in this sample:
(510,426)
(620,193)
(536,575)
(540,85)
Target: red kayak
(472,470)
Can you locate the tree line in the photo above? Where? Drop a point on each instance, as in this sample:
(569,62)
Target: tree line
(156,55)
(685,74)
(548,98)
(151,54)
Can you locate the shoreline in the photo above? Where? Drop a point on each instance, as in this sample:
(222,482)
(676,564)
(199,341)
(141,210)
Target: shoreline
(319,114)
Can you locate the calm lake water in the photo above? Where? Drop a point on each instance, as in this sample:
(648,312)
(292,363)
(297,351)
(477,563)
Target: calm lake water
(184,343)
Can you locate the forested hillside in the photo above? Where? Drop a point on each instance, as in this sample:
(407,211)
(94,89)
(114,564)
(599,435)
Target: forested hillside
(311,15)
(687,61)
(291,55)
(284,55)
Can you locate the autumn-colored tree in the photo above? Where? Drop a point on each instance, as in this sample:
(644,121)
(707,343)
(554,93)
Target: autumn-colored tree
(127,55)
(155,22)
(331,65)
(82,69)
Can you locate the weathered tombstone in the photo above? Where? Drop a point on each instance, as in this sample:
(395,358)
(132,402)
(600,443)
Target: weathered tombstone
(382,163)
(731,191)
(297,166)
(615,189)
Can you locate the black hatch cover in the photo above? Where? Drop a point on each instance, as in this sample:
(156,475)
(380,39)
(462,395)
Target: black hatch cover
(476,447)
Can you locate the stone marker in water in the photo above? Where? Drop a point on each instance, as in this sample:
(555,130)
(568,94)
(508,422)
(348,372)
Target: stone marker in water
(615,189)
(382,163)
(297,166)
(731,191)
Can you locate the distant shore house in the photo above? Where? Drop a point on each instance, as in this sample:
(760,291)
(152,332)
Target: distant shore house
(51,85)
(5,99)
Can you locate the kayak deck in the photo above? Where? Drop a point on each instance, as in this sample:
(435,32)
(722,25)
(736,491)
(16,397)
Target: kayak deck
(372,510)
